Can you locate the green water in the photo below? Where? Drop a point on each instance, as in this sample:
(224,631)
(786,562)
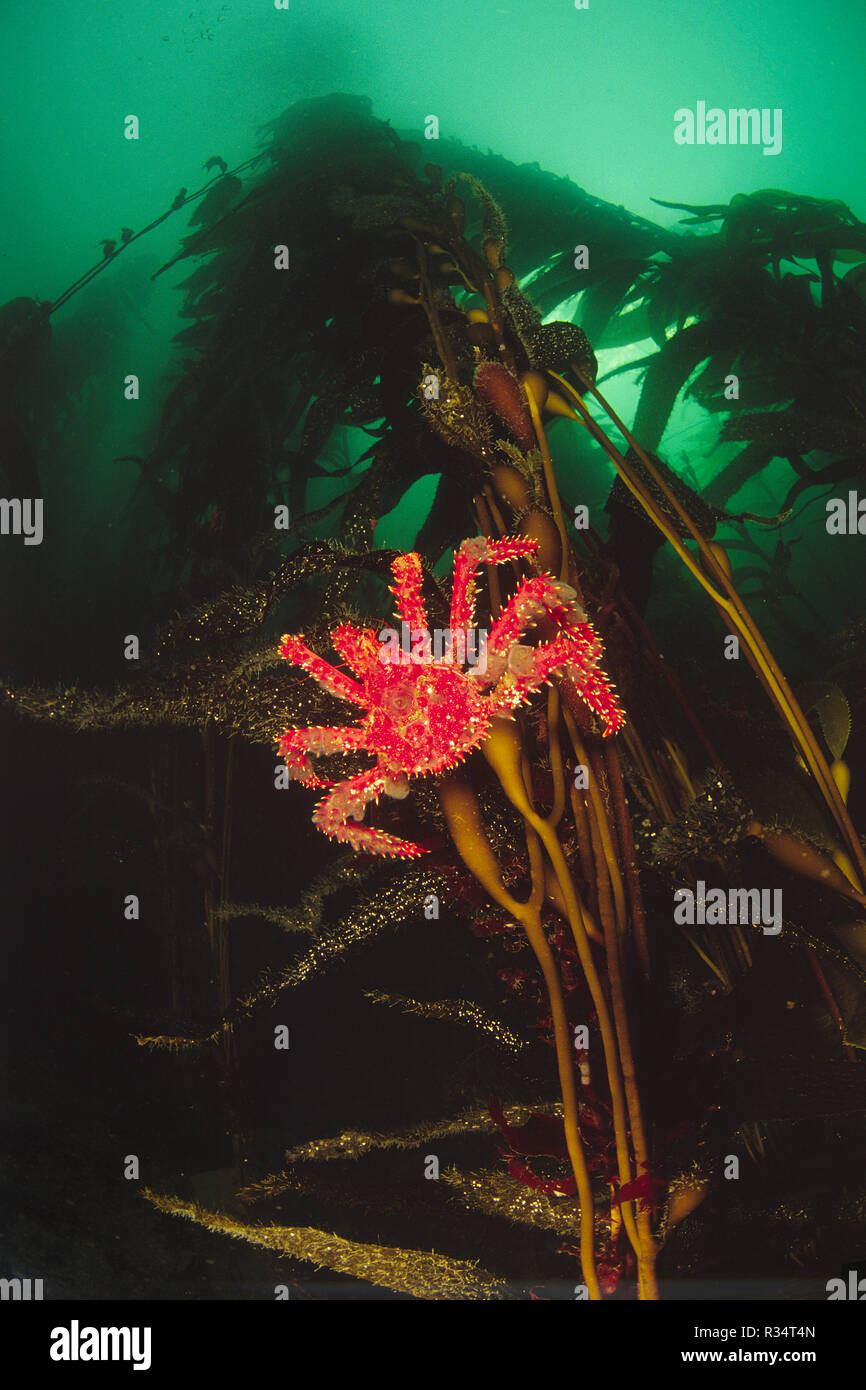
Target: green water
(590,94)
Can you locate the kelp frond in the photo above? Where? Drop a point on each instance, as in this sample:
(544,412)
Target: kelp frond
(418,1273)
(462,1011)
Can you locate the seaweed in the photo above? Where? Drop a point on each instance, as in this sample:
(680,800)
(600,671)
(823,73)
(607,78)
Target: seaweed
(341,286)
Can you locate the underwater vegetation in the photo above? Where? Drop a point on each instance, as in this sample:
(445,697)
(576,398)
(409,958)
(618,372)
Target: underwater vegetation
(547,806)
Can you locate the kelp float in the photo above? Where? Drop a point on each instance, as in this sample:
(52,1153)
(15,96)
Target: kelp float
(553,817)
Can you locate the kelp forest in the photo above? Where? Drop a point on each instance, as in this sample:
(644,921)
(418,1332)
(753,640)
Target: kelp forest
(455,782)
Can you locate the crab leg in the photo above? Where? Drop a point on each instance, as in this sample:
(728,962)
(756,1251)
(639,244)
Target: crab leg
(296,651)
(357,646)
(472,553)
(347,802)
(533,599)
(576,656)
(408,573)
(296,745)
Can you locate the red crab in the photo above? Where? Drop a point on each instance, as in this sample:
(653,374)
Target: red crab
(425,713)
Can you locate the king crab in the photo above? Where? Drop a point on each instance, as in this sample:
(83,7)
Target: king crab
(427,715)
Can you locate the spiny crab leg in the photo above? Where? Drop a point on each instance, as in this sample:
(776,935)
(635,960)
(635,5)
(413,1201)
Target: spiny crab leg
(346,803)
(296,746)
(336,682)
(408,575)
(592,685)
(472,553)
(529,667)
(357,646)
(534,598)
(578,646)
